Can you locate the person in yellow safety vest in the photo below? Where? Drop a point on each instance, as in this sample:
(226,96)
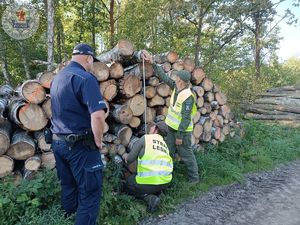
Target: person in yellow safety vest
(179,118)
(154,166)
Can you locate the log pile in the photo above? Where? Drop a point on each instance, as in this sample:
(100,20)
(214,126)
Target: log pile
(280,105)
(120,76)
(24,113)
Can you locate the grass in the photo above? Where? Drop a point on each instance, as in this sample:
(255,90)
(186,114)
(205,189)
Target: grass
(263,147)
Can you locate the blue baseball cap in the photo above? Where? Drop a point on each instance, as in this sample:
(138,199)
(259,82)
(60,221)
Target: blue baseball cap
(84,49)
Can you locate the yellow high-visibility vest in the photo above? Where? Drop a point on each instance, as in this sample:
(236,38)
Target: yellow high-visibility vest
(174,116)
(156,165)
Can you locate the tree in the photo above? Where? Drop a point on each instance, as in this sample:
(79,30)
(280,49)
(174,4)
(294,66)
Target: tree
(50,34)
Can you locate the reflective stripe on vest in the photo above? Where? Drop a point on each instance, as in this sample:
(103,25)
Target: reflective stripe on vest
(156,165)
(174,116)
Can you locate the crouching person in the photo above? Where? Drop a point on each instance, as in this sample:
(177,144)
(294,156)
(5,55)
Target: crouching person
(154,166)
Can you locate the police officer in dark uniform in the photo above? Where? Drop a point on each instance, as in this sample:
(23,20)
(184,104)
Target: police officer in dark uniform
(78,117)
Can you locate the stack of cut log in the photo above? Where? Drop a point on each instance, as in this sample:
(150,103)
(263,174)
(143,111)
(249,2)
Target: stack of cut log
(24,113)
(120,73)
(280,105)
(121,84)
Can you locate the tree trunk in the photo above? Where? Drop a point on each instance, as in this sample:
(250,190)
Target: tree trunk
(5,133)
(150,115)
(279,101)
(46,106)
(22,146)
(3,107)
(116,70)
(24,60)
(5,71)
(281,108)
(170,57)
(178,65)
(198,130)
(163,90)
(209,96)
(207,84)
(100,71)
(6,91)
(112,23)
(41,143)
(33,163)
(48,160)
(123,132)
(197,76)
(150,92)
(153,81)
(130,85)
(257,34)
(156,101)
(188,64)
(30,116)
(135,122)
(137,70)
(94,25)
(50,33)
(137,105)
(32,91)
(199,90)
(198,41)
(46,78)
(122,114)
(197,116)
(122,51)
(59,39)
(14,108)
(109,89)
(6,165)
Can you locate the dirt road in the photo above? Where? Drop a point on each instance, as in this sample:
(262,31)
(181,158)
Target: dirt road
(267,198)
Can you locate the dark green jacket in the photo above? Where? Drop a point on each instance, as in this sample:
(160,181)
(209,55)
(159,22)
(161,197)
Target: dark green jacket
(186,106)
(137,151)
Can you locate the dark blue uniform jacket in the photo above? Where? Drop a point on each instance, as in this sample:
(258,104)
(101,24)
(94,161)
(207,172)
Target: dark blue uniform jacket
(75,95)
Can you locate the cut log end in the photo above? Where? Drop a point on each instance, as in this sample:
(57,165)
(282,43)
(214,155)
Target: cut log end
(6,165)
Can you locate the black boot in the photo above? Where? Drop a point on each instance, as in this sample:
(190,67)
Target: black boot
(152,202)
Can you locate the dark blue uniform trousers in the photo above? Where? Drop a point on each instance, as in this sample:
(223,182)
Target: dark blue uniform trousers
(80,172)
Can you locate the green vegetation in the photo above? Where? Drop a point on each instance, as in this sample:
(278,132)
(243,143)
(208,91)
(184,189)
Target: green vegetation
(36,202)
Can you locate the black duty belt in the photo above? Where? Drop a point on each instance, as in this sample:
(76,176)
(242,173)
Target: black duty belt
(71,137)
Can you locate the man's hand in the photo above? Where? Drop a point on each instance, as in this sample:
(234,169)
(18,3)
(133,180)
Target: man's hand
(125,156)
(178,141)
(147,56)
(99,143)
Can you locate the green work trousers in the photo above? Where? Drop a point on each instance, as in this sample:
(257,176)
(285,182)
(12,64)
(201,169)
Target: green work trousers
(185,152)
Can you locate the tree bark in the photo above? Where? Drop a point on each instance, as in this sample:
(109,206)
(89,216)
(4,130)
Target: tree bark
(5,133)
(109,89)
(32,91)
(100,71)
(50,33)
(22,146)
(48,160)
(6,165)
(4,65)
(33,163)
(122,114)
(24,60)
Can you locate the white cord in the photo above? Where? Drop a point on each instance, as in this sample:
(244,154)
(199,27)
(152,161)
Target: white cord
(145,100)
